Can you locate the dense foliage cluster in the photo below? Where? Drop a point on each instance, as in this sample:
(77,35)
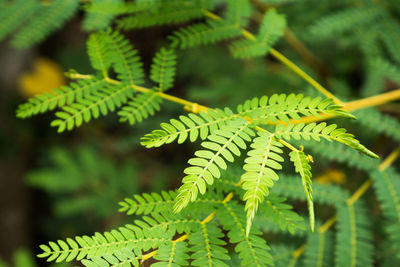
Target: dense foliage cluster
(235,187)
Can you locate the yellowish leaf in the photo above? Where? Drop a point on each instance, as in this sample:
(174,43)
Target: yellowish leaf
(332,176)
(45,76)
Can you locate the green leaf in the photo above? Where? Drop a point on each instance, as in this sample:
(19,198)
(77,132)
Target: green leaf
(238,12)
(354,237)
(172,253)
(46,20)
(260,174)
(271,30)
(98,53)
(163,68)
(206,246)
(304,169)
(204,33)
(66,95)
(103,101)
(193,126)
(125,60)
(252,248)
(140,107)
(387,187)
(204,170)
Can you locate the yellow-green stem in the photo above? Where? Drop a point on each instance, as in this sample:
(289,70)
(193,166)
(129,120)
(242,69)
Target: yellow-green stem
(328,224)
(293,41)
(303,75)
(359,192)
(356,105)
(390,159)
(248,35)
(190,106)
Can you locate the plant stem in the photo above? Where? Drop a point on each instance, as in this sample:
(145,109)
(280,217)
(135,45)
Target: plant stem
(328,224)
(303,51)
(355,105)
(295,42)
(373,100)
(287,62)
(190,106)
(359,192)
(389,159)
(303,75)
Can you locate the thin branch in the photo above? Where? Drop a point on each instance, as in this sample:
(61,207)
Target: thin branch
(248,35)
(189,106)
(295,42)
(356,105)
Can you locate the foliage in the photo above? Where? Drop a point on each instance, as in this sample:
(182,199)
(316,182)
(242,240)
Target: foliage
(353,244)
(387,185)
(233,194)
(45,19)
(270,31)
(82,179)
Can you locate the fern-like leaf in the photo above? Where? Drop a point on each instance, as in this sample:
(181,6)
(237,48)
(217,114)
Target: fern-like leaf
(270,32)
(204,33)
(98,52)
(100,102)
(207,164)
(66,95)
(282,107)
(163,203)
(252,249)
(150,233)
(13,14)
(341,153)
(344,20)
(97,20)
(123,257)
(172,254)
(378,69)
(47,19)
(260,174)
(391,37)
(283,255)
(262,110)
(193,126)
(354,239)
(126,62)
(163,16)
(322,130)
(291,187)
(319,249)
(206,246)
(238,12)
(281,214)
(163,69)
(140,107)
(148,203)
(387,188)
(388,125)
(121,8)
(303,167)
